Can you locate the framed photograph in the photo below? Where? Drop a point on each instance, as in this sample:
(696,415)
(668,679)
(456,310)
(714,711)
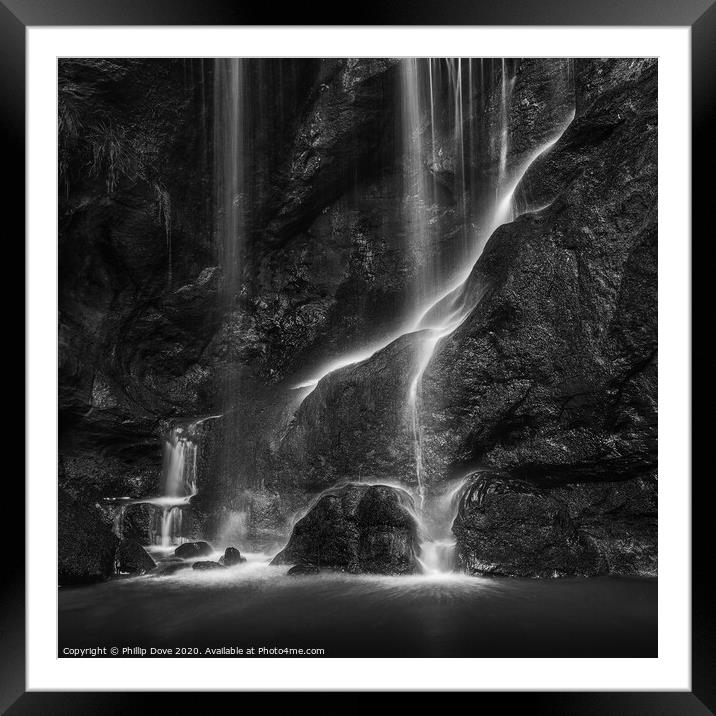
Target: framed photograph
(343,353)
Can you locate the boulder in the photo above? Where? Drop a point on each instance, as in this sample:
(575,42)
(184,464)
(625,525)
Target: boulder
(132,558)
(553,377)
(232,557)
(354,423)
(135,521)
(207,565)
(190,550)
(356,528)
(167,567)
(511,527)
(86,542)
(302,569)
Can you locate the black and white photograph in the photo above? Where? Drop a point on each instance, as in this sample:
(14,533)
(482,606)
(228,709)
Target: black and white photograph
(354,353)
(357,357)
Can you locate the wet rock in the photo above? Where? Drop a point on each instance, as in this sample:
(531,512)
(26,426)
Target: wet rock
(303,569)
(167,567)
(131,232)
(86,542)
(232,557)
(553,376)
(356,528)
(594,76)
(539,98)
(205,565)
(343,130)
(511,527)
(135,522)
(190,550)
(132,558)
(354,423)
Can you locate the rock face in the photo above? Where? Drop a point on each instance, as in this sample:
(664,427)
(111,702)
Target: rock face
(232,557)
(172,565)
(353,425)
(510,527)
(357,528)
(206,565)
(554,374)
(192,550)
(86,543)
(133,231)
(303,569)
(135,522)
(551,377)
(132,558)
(345,128)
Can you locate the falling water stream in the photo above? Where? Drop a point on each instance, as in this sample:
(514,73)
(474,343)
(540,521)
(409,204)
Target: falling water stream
(435,97)
(444,300)
(440,612)
(179,481)
(178,487)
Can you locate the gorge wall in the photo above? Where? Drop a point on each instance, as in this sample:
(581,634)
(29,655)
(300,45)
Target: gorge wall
(550,377)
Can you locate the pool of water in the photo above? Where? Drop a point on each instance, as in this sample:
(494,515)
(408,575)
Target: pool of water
(256,605)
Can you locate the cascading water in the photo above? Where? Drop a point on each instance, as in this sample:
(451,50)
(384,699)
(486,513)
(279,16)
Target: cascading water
(506,85)
(417,196)
(444,297)
(446,314)
(464,167)
(178,485)
(231,202)
(417,201)
(437,551)
(230,161)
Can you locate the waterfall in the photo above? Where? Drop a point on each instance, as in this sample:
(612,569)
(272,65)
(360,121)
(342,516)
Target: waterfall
(178,484)
(451,309)
(180,448)
(230,163)
(443,295)
(417,196)
(417,200)
(504,123)
(437,551)
(232,152)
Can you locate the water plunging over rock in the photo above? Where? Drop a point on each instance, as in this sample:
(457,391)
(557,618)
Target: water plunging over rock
(179,482)
(378,409)
(161,520)
(554,376)
(438,544)
(452,278)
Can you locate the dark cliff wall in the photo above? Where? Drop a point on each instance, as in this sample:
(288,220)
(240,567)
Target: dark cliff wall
(134,226)
(554,372)
(552,376)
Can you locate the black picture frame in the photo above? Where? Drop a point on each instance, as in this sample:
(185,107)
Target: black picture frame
(699,15)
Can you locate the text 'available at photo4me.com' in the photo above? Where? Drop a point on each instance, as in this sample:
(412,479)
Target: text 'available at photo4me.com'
(180,651)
